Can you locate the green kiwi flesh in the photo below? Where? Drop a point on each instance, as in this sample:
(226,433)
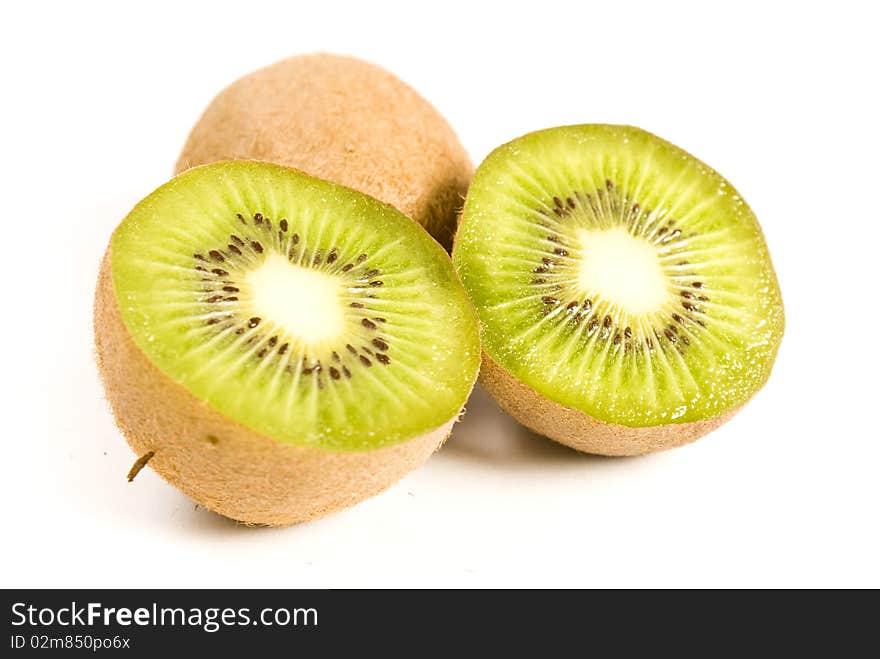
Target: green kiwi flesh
(308,312)
(617,275)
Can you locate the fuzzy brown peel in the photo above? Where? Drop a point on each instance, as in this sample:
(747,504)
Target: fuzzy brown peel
(347,121)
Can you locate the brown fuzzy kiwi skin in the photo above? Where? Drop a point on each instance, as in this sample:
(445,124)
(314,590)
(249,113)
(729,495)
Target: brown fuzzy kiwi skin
(345,120)
(220,463)
(580,431)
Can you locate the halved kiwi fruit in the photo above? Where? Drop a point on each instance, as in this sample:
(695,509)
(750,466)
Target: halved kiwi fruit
(344,120)
(627,297)
(285,346)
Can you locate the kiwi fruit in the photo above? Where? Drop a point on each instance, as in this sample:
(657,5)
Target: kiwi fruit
(345,120)
(279,346)
(627,298)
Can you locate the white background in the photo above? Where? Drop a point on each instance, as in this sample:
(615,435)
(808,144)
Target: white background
(781,98)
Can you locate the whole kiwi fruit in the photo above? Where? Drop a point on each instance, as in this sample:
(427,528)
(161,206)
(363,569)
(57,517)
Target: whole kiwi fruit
(347,121)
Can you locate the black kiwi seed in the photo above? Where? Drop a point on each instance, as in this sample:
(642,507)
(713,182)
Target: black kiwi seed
(369,324)
(346,372)
(365,361)
(253,322)
(351,348)
(238,241)
(380,344)
(273,341)
(332,256)
(283,225)
(241,218)
(334,373)
(356,305)
(199,257)
(361,258)
(336,357)
(295,238)
(383,358)
(547,299)
(283,348)
(234,249)
(347,267)
(606,323)
(258,218)
(257,246)
(376,282)
(219,272)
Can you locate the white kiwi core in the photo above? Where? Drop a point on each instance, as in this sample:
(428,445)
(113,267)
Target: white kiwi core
(302,300)
(622,268)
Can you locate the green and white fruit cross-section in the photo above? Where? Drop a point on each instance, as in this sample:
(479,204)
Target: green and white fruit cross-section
(617,275)
(301,309)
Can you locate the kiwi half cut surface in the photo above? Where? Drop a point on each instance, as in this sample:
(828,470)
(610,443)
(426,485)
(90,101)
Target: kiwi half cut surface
(285,345)
(626,293)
